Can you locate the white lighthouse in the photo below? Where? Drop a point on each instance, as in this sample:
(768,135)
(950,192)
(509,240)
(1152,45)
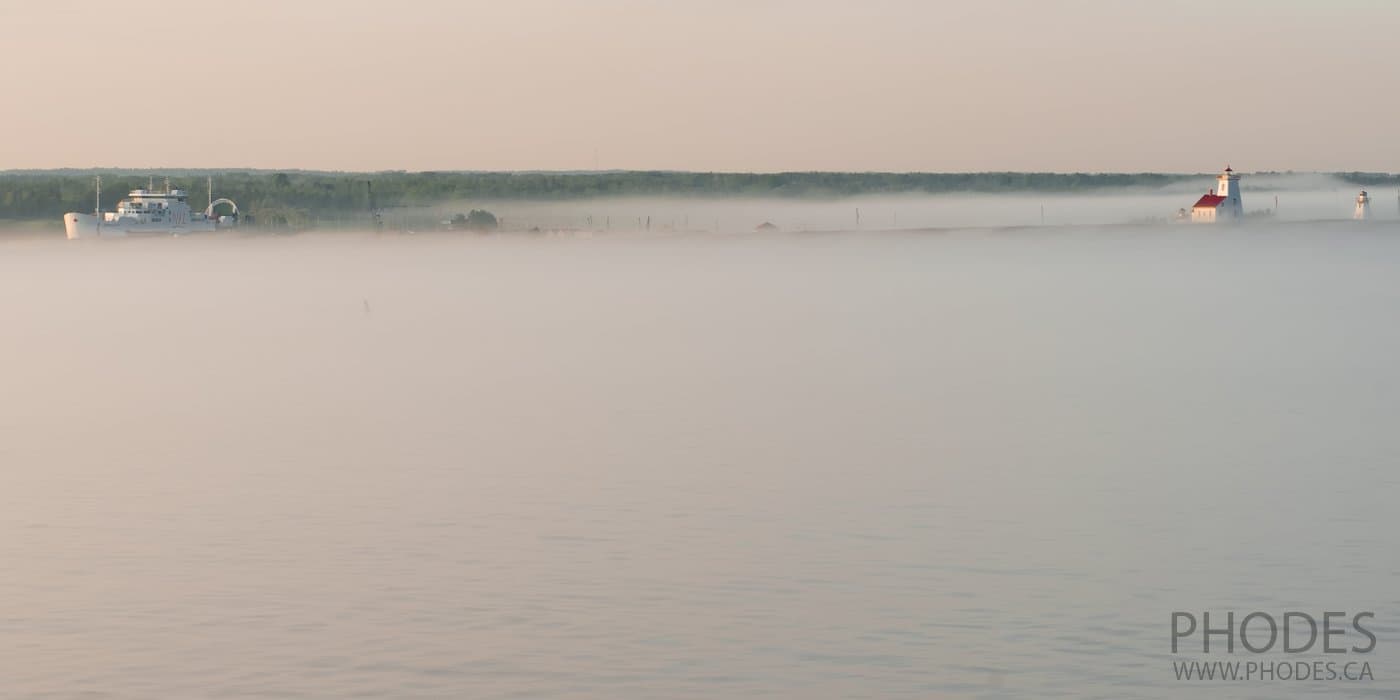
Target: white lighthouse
(1229,188)
(1363,207)
(1222,203)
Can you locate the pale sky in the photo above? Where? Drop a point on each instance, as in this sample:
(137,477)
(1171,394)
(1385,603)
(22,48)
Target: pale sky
(733,85)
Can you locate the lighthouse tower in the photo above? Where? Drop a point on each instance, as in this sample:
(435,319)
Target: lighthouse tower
(1363,207)
(1229,187)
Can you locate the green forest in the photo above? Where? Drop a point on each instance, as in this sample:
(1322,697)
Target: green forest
(302,197)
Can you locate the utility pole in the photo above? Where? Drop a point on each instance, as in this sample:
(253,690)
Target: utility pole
(374,214)
(98,212)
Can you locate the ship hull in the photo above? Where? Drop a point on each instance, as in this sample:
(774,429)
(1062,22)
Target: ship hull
(80,226)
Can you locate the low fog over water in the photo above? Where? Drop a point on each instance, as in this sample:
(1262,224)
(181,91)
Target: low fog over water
(967,464)
(1279,197)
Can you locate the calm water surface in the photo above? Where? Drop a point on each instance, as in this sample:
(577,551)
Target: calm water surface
(901,466)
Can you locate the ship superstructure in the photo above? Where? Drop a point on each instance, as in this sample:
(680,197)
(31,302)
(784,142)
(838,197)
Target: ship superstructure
(149,212)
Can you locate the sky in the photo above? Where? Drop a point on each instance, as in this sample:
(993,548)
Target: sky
(704,85)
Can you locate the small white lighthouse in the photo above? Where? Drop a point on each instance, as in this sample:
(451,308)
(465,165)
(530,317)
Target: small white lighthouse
(1363,207)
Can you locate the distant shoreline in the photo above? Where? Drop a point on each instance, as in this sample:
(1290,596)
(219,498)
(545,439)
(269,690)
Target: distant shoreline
(303,199)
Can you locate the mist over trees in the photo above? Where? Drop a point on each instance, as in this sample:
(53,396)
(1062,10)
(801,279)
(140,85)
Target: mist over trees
(1371,179)
(289,195)
(294,197)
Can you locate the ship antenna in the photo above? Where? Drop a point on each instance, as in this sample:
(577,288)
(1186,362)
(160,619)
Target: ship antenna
(98,211)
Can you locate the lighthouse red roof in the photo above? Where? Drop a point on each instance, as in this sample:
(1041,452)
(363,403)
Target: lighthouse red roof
(1208,201)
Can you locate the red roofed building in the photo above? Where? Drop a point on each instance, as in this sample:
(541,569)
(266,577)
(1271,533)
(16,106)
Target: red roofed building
(1220,204)
(1209,201)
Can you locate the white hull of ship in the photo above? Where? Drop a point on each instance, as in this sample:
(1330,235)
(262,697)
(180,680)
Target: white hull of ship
(89,226)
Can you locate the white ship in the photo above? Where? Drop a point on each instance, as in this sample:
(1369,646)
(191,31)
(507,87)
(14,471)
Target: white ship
(148,212)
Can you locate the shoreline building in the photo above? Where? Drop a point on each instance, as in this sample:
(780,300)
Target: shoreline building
(1363,207)
(1222,203)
